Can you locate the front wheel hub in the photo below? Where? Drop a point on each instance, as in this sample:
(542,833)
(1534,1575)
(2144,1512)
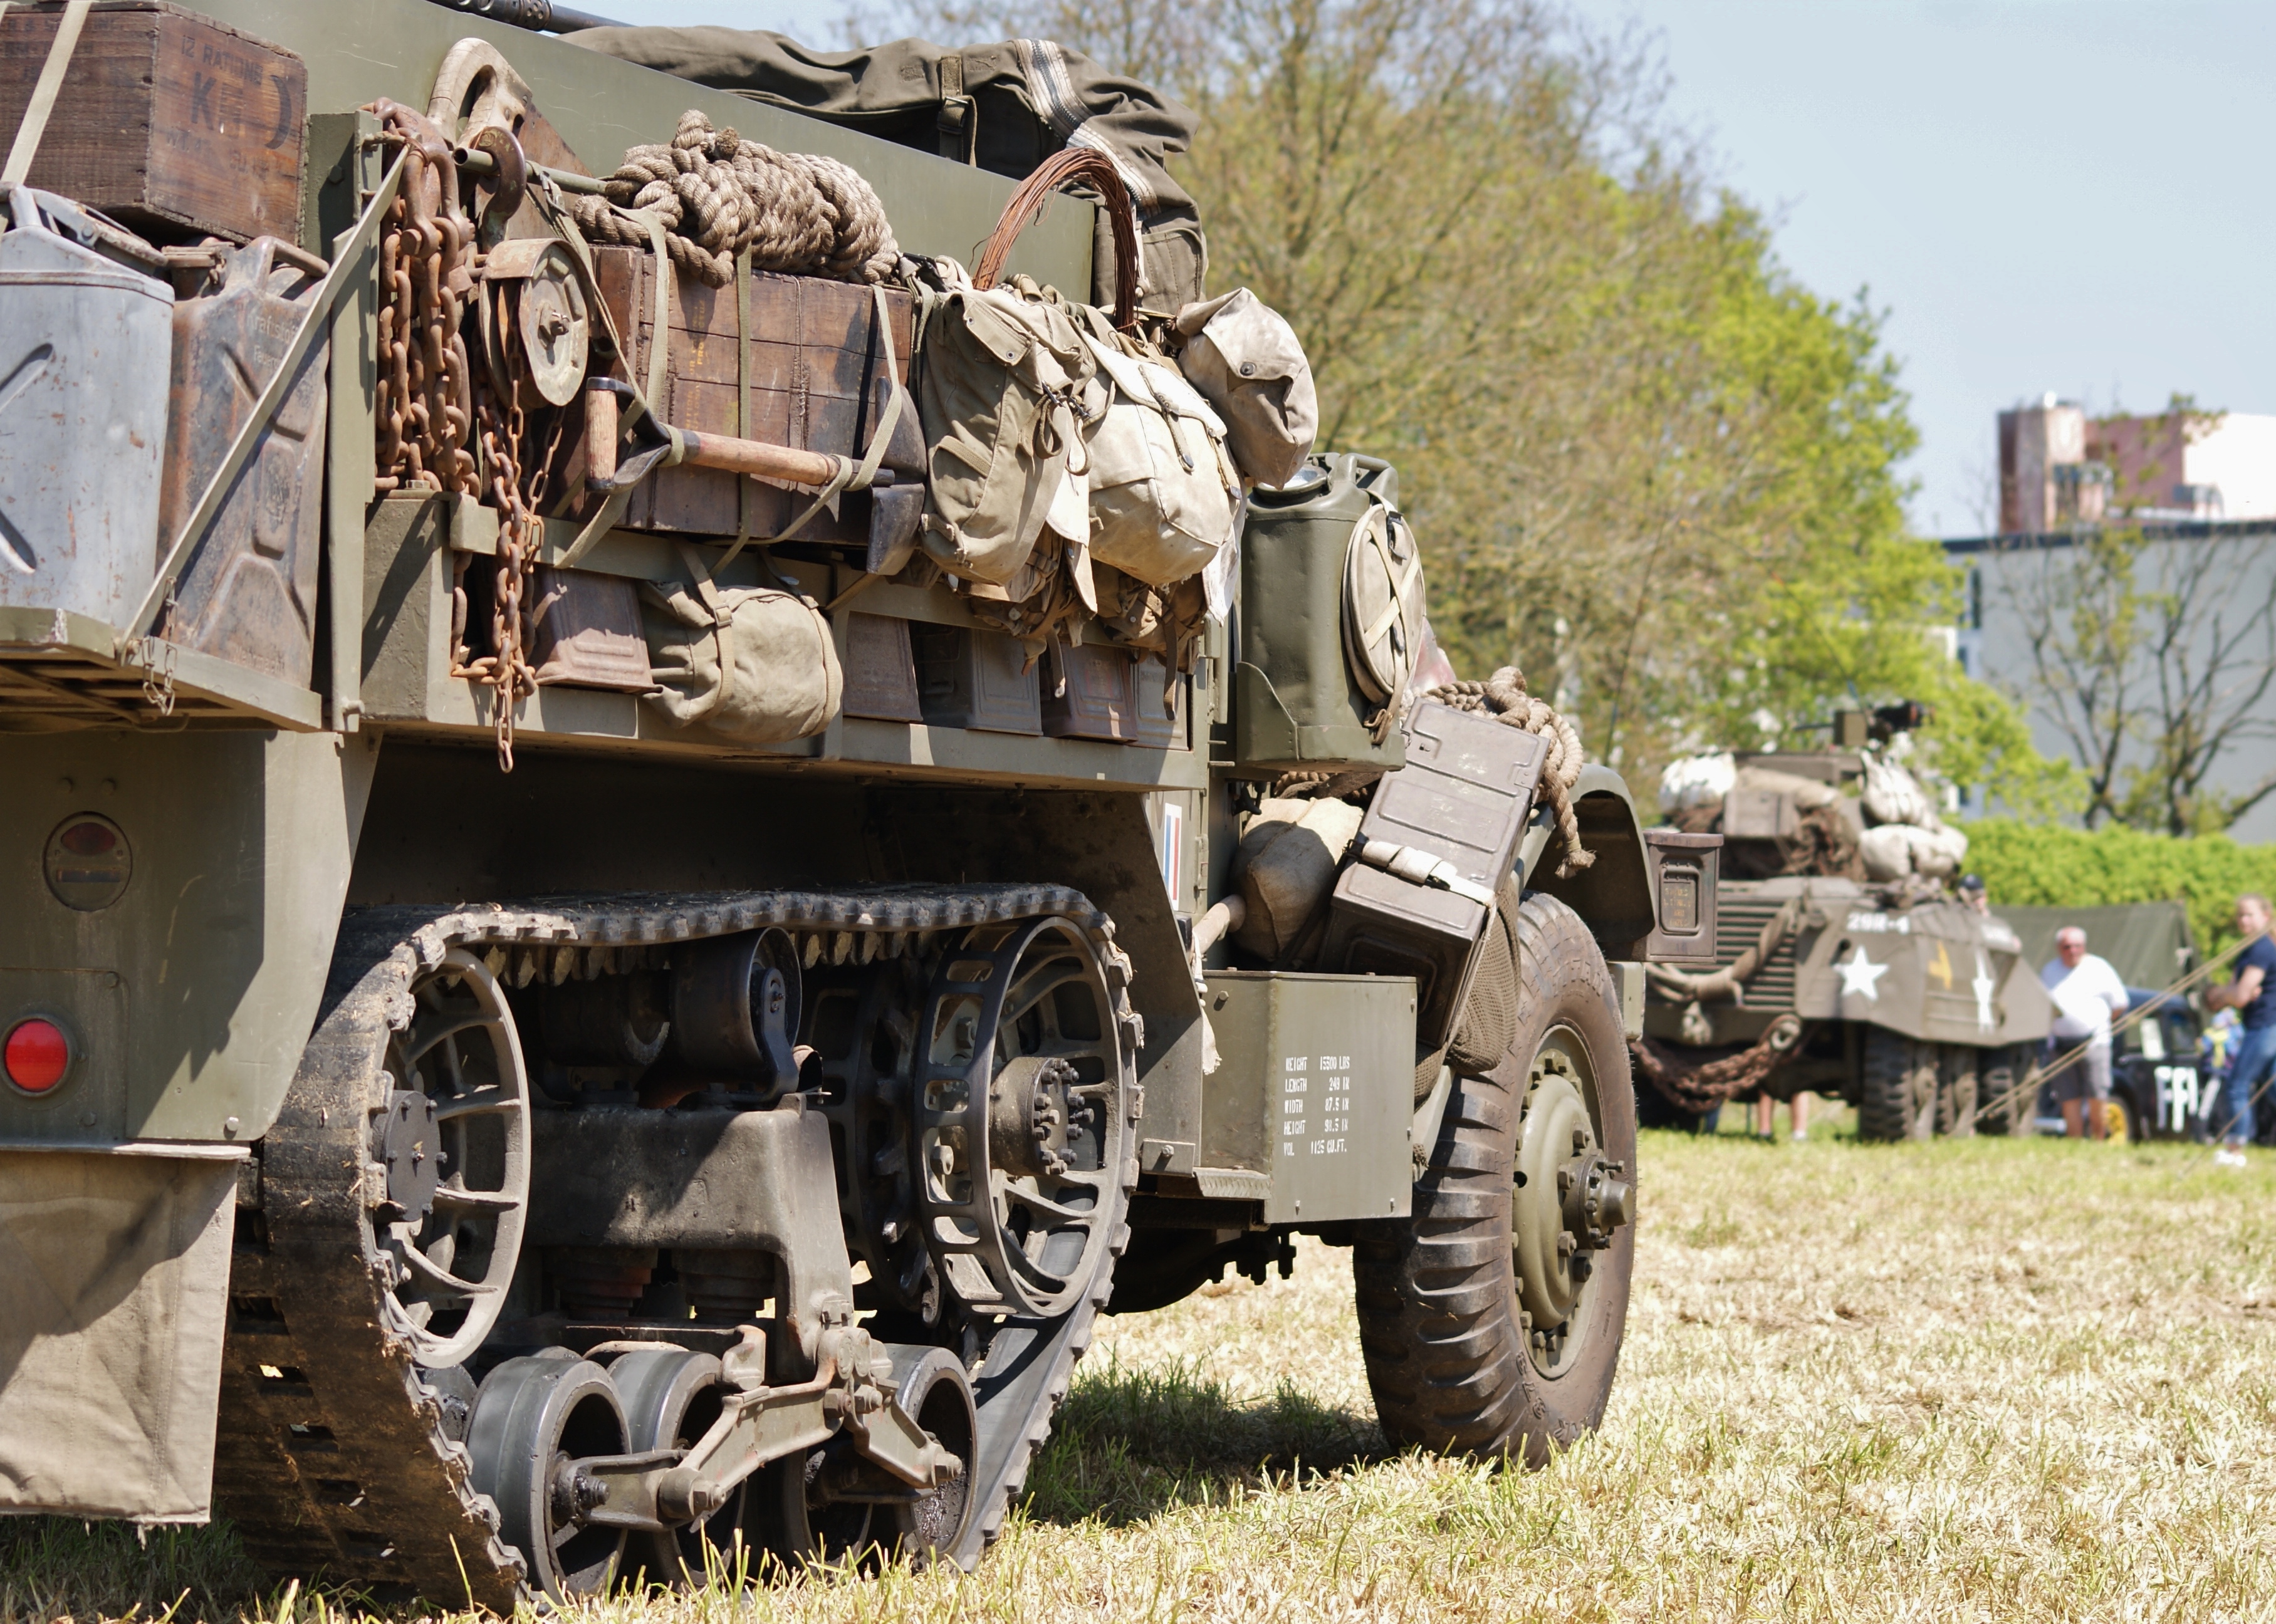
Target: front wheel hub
(1568,1203)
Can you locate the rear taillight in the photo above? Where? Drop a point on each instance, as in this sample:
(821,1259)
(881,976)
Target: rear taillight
(36,1055)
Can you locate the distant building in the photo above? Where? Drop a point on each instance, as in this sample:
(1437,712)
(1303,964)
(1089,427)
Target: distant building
(2202,489)
(2058,467)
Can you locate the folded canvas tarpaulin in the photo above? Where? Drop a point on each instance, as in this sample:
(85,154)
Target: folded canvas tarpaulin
(1005,107)
(114,1283)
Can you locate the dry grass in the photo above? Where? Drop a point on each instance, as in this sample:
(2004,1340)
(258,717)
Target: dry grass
(1986,1380)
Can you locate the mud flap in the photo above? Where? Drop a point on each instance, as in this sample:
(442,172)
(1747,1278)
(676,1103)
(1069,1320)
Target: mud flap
(114,1283)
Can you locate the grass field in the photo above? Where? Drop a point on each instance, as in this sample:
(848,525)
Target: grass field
(1976,1380)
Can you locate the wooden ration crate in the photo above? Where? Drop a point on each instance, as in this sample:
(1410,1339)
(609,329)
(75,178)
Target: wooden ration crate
(167,120)
(818,382)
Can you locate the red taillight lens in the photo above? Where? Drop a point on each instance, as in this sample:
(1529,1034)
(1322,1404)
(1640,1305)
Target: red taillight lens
(37,1054)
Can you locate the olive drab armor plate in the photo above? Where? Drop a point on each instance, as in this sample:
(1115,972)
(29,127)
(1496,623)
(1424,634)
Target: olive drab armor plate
(1936,972)
(504,1174)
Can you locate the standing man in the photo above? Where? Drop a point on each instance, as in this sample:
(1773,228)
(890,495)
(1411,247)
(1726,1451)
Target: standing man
(1972,893)
(2087,992)
(2252,995)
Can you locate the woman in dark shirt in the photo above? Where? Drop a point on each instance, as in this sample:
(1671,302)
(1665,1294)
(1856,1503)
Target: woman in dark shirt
(2252,995)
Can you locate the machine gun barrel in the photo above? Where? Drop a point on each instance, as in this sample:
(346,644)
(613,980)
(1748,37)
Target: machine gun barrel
(539,16)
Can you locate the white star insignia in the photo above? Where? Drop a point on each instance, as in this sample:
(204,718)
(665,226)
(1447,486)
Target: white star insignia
(1859,975)
(1984,986)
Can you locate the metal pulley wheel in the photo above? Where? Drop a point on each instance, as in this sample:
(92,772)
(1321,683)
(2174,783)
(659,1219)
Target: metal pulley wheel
(550,314)
(535,1419)
(1382,603)
(1021,1126)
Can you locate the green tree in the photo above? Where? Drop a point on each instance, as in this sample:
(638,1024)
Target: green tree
(1646,465)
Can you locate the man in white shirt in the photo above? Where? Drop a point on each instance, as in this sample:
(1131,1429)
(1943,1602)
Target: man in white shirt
(2086,992)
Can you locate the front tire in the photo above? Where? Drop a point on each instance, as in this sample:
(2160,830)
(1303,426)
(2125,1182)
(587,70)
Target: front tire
(1491,1320)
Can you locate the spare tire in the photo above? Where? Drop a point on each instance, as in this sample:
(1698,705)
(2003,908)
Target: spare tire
(1491,1319)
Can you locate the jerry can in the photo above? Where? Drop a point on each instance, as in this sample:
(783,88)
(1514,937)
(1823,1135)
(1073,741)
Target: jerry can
(83,348)
(248,592)
(1297,705)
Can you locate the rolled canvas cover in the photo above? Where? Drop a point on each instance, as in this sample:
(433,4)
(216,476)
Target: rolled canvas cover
(114,1281)
(1027,100)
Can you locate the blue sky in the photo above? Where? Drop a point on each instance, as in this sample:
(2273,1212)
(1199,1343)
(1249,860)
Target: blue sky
(2067,196)
(2044,194)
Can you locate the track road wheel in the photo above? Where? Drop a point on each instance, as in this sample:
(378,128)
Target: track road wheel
(671,1398)
(1491,1319)
(533,1418)
(1897,1099)
(828,1504)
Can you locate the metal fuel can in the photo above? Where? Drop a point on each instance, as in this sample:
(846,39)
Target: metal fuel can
(83,355)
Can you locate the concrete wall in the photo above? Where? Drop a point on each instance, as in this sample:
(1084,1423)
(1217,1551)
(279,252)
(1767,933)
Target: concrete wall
(2239,584)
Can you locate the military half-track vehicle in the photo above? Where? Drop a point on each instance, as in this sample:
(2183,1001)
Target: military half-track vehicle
(1843,963)
(490,1128)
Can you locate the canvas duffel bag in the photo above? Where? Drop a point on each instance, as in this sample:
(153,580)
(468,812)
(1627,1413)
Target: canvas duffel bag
(754,664)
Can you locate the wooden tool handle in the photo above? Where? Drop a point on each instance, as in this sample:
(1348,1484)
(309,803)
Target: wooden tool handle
(600,436)
(783,462)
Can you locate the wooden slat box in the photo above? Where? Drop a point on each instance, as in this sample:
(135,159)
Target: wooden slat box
(167,120)
(818,382)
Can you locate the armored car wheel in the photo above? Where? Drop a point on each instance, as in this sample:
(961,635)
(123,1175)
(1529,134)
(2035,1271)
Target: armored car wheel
(1491,1320)
(1897,1093)
(1958,1070)
(2010,1104)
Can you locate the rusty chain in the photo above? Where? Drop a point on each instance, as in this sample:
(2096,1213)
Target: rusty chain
(1700,1088)
(423,406)
(430,398)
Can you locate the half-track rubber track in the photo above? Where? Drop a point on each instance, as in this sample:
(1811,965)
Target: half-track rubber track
(337,1457)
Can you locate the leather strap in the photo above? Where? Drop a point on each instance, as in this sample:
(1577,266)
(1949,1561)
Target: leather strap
(743,400)
(34,125)
(565,227)
(722,618)
(956,126)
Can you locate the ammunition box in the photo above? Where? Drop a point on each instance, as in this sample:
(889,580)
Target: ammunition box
(589,635)
(1096,693)
(1311,1110)
(969,678)
(1463,797)
(881,673)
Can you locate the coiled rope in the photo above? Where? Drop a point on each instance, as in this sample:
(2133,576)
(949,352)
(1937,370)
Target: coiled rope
(718,193)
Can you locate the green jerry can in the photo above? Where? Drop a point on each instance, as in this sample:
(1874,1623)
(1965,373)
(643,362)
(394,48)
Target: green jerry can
(1297,705)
